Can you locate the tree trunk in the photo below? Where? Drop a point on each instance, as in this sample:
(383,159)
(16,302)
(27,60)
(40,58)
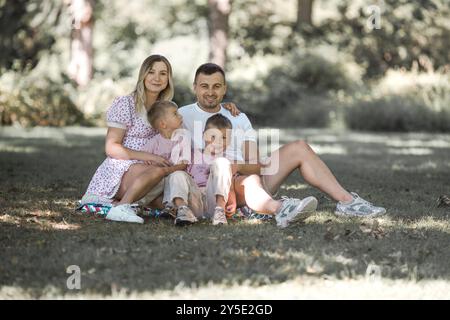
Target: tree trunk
(81,54)
(219,11)
(304,13)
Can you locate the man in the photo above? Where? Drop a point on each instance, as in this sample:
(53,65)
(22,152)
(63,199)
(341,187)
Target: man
(210,88)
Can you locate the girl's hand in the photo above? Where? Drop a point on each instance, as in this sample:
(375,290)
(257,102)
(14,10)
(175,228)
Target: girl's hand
(159,161)
(230,106)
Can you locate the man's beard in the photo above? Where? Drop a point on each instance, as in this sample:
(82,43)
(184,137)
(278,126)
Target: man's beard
(211,105)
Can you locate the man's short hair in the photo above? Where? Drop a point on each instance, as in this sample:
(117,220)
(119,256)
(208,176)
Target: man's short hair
(209,69)
(218,121)
(158,110)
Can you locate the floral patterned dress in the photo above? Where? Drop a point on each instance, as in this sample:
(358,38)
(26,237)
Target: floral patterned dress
(106,181)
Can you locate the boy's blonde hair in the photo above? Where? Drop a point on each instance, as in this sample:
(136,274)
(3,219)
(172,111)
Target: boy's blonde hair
(158,110)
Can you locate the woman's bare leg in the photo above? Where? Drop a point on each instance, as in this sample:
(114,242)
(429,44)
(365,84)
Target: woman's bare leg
(138,181)
(299,155)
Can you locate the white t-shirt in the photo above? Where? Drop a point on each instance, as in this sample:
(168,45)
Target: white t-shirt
(194,120)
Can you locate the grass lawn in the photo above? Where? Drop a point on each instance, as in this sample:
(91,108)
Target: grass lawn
(405,254)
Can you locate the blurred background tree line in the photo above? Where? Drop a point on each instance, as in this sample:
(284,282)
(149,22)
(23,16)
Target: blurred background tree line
(299,63)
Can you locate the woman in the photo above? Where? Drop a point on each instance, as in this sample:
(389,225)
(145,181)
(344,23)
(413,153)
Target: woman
(128,174)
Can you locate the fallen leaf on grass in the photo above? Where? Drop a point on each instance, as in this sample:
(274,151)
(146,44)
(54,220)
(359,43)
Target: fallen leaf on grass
(443,201)
(314,269)
(329,235)
(349,232)
(365,228)
(34,220)
(255,253)
(374,229)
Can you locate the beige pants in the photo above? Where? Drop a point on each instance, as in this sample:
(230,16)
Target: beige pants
(153,194)
(202,201)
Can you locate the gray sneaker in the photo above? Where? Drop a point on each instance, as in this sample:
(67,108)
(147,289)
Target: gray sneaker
(358,208)
(295,210)
(185,216)
(219,216)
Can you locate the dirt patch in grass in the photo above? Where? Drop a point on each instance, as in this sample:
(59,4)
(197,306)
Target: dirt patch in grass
(45,171)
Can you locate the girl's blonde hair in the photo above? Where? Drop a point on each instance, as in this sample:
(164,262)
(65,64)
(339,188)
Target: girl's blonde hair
(139,92)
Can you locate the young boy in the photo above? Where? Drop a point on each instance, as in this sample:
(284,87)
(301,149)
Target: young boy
(210,168)
(212,174)
(217,137)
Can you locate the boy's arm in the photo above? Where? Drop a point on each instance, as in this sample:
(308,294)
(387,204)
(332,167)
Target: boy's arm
(152,157)
(182,150)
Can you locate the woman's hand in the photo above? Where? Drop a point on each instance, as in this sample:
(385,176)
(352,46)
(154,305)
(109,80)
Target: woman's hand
(230,106)
(177,167)
(159,161)
(181,166)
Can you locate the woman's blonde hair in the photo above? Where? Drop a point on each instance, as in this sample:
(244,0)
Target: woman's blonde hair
(139,92)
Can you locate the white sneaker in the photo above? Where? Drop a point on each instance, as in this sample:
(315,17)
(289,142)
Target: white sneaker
(123,213)
(184,216)
(295,210)
(358,208)
(219,216)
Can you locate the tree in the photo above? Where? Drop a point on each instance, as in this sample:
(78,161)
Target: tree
(411,35)
(304,13)
(28,31)
(219,11)
(81,54)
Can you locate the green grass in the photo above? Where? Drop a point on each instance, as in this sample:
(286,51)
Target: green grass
(45,171)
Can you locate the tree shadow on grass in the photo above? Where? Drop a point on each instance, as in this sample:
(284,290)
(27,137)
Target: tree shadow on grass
(158,256)
(42,235)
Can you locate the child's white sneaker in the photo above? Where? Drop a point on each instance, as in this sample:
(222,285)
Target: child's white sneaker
(358,207)
(123,213)
(295,210)
(184,216)
(219,216)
